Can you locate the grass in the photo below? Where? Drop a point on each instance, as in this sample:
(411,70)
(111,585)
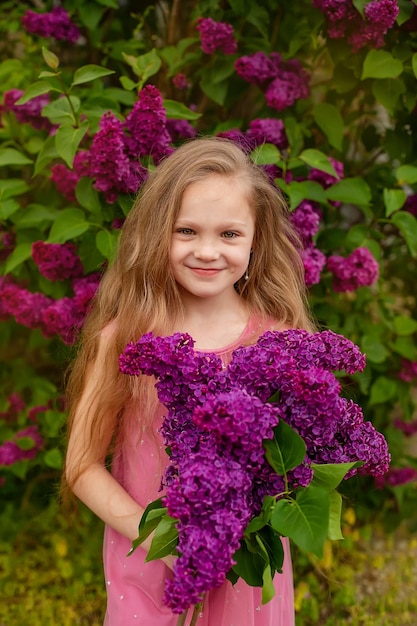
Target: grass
(51,573)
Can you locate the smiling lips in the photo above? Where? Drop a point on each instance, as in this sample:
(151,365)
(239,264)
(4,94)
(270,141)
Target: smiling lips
(203,271)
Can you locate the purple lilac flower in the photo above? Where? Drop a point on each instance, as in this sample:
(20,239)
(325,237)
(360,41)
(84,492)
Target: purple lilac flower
(408,371)
(109,163)
(180,129)
(146,126)
(62,318)
(216,36)
(359,269)
(411,204)
(285,90)
(408,428)
(181,81)
(11,452)
(306,220)
(25,306)
(84,291)
(245,142)
(324,179)
(57,261)
(344,21)
(66,180)
(217,421)
(314,261)
(56,24)
(396,476)
(30,112)
(7,243)
(16,404)
(258,68)
(268,130)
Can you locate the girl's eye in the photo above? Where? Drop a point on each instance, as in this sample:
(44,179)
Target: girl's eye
(229,234)
(185,231)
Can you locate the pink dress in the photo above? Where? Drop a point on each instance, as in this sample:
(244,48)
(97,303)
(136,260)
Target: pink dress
(134,588)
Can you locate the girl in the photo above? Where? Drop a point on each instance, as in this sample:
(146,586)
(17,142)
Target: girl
(207,249)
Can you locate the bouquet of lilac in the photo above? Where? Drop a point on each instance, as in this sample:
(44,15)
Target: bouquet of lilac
(257,450)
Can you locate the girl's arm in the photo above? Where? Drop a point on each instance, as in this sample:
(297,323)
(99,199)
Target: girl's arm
(88,477)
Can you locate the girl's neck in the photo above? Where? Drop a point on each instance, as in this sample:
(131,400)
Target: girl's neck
(213,324)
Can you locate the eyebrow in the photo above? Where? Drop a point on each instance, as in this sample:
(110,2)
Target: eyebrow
(225,226)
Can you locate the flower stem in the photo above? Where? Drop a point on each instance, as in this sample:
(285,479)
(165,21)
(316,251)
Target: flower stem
(182,618)
(197,610)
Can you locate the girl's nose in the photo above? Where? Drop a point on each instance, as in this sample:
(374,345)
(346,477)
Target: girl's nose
(206,251)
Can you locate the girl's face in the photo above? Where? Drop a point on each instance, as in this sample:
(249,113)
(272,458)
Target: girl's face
(212,238)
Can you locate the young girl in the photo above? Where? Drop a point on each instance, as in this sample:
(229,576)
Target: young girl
(207,249)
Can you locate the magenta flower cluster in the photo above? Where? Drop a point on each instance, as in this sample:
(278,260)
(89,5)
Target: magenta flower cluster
(306,220)
(11,451)
(63,317)
(57,261)
(345,21)
(215,427)
(113,159)
(216,36)
(283,82)
(57,24)
(408,371)
(359,269)
(28,113)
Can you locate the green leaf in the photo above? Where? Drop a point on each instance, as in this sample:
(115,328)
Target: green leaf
(69,223)
(318,160)
(8,208)
(12,187)
(305,520)
(294,135)
(178,111)
(259,521)
(375,351)
(350,191)
(266,154)
(329,119)
(305,190)
(393,199)
(286,450)
(271,540)
(360,6)
(382,390)
(127,83)
(388,92)
(268,589)
(406,174)
(249,565)
(164,540)
(36,89)
(87,196)
(334,532)
(67,140)
(20,254)
(329,476)
(106,242)
(87,73)
(405,325)
(215,91)
(414,63)
(25,443)
(50,58)
(46,155)
(404,347)
(381,64)
(150,519)
(62,111)
(10,156)
(144,66)
(407,225)
(53,458)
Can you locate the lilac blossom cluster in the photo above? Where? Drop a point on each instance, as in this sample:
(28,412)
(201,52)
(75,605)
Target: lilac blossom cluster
(217,421)
(12,450)
(345,21)
(57,261)
(216,36)
(408,370)
(113,159)
(396,476)
(28,113)
(283,82)
(56,24)
(359,269)
(306,220)
(63,317)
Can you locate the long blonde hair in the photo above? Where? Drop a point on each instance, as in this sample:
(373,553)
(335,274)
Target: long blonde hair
(138,292)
